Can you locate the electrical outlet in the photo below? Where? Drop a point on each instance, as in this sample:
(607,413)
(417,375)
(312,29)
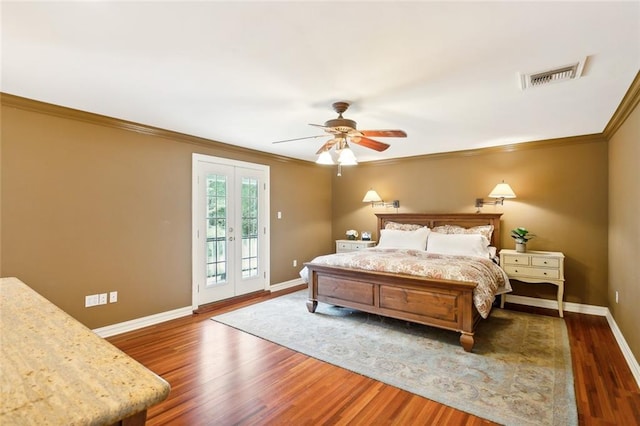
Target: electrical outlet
(91,300)
(295,263)
(102,299)
(113,297)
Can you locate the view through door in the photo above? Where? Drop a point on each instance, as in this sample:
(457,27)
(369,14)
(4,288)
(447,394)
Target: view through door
(230,224)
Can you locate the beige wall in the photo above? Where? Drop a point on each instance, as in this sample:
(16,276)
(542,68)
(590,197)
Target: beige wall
(561,193)
(88,208)
(624,229)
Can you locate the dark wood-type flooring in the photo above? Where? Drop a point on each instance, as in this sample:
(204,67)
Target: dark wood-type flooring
(222,376)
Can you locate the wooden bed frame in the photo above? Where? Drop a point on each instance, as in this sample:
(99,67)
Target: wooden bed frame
(439,303)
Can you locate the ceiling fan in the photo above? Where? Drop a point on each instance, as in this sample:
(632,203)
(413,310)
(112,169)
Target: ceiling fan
(344,131)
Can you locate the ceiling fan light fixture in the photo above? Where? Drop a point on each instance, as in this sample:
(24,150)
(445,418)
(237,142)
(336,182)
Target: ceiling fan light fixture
(347,157)
(341,129)
(325,159)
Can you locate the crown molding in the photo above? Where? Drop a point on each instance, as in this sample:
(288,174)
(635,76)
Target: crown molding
(628,104)
(524,146)
(102,120)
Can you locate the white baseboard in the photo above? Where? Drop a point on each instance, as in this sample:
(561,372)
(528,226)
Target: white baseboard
(287,284)
(552,304)
(135,324)
(624,347)
(590,310)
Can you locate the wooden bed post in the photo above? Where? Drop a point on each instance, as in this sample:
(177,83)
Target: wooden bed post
(312,305)
(466,340)
(312,302)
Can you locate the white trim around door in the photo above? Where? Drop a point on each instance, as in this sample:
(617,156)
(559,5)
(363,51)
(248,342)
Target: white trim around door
(230,228)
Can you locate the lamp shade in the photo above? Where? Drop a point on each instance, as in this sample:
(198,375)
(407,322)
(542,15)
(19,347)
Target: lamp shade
(371,197)
(502,190)
(325,158)
(347,157)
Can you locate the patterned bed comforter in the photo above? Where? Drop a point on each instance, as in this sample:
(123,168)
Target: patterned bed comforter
(491,279)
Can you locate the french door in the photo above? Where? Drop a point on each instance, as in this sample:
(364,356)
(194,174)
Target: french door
(230,228)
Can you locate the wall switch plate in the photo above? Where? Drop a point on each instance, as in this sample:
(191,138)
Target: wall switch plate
(91,300)
(295,263)
(616,296)
(113,297)
(102,299)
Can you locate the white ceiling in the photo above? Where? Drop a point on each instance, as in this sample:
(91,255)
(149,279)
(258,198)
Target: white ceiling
(250,73)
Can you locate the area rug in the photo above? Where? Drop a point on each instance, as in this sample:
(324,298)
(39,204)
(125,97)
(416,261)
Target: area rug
(519,372)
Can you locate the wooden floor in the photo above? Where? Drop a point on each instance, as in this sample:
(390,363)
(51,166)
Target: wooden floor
(221,376)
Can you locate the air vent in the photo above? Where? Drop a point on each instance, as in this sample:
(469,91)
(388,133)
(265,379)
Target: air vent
(557,75)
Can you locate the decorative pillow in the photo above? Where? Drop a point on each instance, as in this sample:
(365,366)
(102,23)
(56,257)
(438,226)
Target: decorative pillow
(484,230)
(402,226)
(493,253)
(398,239)
(458,244)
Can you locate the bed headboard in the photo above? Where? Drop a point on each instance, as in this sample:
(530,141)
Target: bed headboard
(466,220)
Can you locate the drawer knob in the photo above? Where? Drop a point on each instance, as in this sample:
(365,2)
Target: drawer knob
(545,273)
(516,271)
(545,262)
(516,260)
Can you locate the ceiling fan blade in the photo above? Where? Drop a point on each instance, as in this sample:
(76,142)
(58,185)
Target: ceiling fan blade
(299,139)
(326,129)
(385,133)
(327,146)
(369,143)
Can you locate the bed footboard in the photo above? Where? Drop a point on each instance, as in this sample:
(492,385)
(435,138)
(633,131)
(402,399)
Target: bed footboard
(438,303)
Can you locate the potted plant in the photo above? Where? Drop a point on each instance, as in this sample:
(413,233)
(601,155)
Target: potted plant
(521,235)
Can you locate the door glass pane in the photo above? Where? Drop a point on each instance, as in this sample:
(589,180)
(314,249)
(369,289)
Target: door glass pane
(216,229)
(249,208)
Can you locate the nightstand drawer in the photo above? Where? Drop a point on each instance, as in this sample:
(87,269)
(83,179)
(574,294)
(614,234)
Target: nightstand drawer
(345,246)
(525,271)
(353,245)
(360,246)
(547,262)
(516,259)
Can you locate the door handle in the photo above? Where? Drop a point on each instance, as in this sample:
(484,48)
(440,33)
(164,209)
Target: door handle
(230,238)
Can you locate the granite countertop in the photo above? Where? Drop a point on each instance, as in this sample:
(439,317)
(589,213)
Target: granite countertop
(56,371)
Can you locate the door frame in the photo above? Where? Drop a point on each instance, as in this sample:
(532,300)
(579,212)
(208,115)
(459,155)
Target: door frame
(266,257)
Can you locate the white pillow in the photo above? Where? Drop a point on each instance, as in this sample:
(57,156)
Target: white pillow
(458,244)
(397,239)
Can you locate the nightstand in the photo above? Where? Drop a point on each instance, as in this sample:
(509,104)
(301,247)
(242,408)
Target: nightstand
(343,246)
(535,267)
